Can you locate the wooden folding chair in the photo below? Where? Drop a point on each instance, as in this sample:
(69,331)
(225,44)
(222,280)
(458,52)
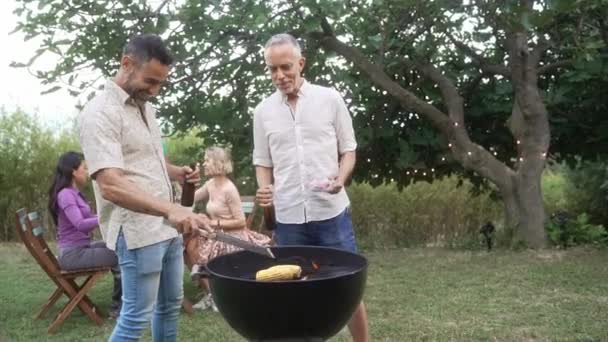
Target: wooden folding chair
(30,229)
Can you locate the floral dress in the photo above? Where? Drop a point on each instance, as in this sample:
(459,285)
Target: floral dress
(224,203)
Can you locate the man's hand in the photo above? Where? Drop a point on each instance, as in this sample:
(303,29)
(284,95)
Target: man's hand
(335,186)
(264,196)
(187,174)
(185,221)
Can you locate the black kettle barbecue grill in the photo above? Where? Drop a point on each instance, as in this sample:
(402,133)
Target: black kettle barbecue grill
(313,308)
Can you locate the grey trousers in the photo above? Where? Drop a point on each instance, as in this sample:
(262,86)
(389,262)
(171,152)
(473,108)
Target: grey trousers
(95,255)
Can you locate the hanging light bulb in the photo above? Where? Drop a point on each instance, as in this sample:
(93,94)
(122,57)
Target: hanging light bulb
(518,142)
(450,145)
(469,153)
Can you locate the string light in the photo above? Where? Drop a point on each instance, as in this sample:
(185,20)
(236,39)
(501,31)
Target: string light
(455,123)
(543,155)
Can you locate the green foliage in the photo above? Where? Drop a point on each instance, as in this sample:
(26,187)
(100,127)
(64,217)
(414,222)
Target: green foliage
(438,213)
(433,57)
(28,156)
(555,186)
(578,231)
(183,149)
(587,191)
(578,189)
(219,75)
(575,197)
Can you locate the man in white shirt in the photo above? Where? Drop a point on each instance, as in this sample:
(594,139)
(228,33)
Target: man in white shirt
(304,151)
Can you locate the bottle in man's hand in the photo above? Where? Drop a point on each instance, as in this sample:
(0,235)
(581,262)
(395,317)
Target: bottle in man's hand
(187,199)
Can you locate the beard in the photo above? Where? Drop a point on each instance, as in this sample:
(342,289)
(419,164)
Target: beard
(139,94)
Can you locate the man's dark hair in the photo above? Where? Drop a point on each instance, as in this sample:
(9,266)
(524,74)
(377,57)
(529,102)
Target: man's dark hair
(146,47)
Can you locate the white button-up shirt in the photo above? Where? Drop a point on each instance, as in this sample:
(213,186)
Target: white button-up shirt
(113,134)
(303,146)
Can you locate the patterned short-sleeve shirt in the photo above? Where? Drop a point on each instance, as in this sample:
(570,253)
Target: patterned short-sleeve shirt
(114,134)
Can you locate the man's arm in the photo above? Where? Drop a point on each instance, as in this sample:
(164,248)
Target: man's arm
(347,145)
(116,188)
(181,173)
(347,165)
(262,160)
(263,175)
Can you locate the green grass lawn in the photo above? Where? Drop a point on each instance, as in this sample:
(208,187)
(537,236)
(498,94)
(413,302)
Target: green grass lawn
(412,295)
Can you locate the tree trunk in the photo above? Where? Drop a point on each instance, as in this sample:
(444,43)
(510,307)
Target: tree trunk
(520,186)
(524,209)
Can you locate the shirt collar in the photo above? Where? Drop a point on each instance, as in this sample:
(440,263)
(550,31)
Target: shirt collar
(121,94)
(117,91)
(302,92)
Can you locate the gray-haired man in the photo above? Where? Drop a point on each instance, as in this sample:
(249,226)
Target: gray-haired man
(304,152)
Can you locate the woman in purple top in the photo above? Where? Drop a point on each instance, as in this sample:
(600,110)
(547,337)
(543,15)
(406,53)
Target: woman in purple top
(75,222)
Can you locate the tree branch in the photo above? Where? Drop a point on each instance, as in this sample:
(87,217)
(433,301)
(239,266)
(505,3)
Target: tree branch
(481,62)
(469,154)
(449,92)
(377,75)
(467,92)
(160,7)
(551,66)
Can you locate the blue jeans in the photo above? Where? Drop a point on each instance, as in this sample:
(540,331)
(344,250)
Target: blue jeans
(152,280)
(335,232)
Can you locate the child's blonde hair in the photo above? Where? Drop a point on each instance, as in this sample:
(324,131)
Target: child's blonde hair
(221,161)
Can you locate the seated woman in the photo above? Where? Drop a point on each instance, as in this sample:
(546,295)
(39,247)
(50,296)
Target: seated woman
(75,222)
(225,213)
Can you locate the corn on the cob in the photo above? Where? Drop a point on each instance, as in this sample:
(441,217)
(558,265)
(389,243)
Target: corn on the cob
(279,272)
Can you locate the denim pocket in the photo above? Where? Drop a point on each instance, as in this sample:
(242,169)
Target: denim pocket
(150,258)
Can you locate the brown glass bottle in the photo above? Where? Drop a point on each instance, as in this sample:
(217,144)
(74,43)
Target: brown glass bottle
(187,199)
